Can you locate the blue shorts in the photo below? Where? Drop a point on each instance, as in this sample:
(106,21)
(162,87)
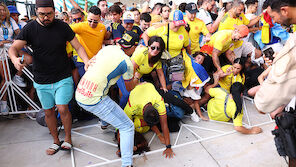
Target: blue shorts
(59,93)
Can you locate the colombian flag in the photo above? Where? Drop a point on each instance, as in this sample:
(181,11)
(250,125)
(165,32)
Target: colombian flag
(195,74)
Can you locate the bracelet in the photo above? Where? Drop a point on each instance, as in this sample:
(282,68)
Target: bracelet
(158,134)
(168,146)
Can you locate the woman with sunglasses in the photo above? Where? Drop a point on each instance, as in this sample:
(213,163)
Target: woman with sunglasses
(145,59)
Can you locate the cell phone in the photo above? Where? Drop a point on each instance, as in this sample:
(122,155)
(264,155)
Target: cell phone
(22,60)
(269,52)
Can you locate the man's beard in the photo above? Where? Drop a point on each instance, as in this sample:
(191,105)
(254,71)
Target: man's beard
(46,23)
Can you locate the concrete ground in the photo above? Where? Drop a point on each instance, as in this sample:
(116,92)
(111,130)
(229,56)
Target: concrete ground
(23,143)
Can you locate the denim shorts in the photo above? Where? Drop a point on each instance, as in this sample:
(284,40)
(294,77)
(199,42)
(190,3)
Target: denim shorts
(59,93)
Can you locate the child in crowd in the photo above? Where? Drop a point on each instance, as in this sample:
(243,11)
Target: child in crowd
(195,86)
(114,31)
(199,57)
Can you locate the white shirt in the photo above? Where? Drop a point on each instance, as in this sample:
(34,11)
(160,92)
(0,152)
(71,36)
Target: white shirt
(22,24)
(204,16)
(6,30)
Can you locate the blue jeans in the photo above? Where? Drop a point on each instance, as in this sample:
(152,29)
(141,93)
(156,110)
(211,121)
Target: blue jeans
(110,112)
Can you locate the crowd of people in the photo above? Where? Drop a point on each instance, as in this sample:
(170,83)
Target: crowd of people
(142,68)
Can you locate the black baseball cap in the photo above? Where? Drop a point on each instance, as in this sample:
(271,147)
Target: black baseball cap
(191,8)
(44,3)
(129,39)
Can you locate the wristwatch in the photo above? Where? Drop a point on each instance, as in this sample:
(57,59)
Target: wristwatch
(168,146)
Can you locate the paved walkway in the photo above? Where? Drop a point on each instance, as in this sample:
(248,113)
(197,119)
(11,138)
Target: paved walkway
(23,143)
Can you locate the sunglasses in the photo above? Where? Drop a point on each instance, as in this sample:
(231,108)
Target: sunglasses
(94,21)
(155,48)
(77,19)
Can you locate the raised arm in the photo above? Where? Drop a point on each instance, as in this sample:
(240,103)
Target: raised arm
(145,38)
(65,9)
(85,5)
(75,5)
(213,27)
(255,20)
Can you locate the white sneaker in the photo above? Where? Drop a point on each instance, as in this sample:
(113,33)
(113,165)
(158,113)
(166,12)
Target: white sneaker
(194,117)
(4,109)
(19,81)
(192,94)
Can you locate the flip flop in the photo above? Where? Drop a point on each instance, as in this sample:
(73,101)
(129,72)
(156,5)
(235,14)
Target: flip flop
(55,148)
(66,146)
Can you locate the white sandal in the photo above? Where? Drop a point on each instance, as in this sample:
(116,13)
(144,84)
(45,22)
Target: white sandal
(66,146)
(55,148)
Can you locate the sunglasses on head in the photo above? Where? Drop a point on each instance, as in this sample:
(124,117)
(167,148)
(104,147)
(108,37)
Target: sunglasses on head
(77,19)
(155,48)
(94,21)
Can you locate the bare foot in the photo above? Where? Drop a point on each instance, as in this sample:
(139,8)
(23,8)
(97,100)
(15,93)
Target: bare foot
(54,148)
(118,153)
(204,118)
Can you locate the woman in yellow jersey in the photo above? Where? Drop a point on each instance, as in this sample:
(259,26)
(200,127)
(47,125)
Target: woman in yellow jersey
(233,73)
(173,34)
(225,107)
(145,59)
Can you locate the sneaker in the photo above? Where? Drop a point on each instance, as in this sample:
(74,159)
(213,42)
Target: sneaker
(106,127)
(4,108)
(192,94)
(194,117)
(19,81)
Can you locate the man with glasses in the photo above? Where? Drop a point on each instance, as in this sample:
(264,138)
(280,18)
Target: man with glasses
(51,67)
(91,35)
(77,15)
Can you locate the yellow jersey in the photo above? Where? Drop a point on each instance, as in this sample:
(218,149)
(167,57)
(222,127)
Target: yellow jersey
(140,56)
(196,28)
(227,23)
(177,40)
(227,81)
(111,63)
(90,38)
(141,95)
(155,19)
(216,107)
(221,41)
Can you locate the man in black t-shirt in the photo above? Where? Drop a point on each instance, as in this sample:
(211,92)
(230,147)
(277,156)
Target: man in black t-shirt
(51,67)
